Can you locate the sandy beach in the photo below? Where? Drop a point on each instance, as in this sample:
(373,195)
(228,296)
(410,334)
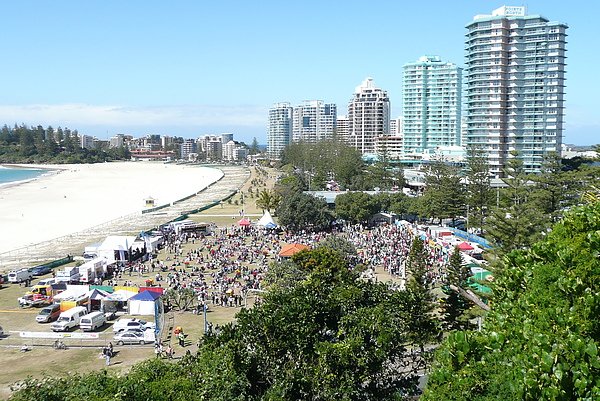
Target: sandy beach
(81,196)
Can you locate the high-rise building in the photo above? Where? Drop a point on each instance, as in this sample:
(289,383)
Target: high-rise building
(342,129)
(187,148)
(279,131)
(515,76)
(313,121)
(368,115)
(431,104)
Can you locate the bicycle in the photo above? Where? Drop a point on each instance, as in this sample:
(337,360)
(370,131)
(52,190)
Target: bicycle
(59,345)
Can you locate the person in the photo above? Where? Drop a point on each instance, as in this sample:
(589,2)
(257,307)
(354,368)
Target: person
(157,350)
(181,338)
(106,353)
(110,348)
(169,352)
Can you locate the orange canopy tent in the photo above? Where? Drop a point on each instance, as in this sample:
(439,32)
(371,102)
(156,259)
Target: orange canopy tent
(292,249)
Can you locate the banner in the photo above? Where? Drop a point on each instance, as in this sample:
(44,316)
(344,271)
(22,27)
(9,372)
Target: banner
(43,334)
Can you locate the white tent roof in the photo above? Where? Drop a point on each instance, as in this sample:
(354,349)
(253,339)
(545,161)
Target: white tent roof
(120,295)
(265,219)
(73,292)
(117,242)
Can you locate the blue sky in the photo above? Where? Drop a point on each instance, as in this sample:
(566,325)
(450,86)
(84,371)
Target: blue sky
(188,68)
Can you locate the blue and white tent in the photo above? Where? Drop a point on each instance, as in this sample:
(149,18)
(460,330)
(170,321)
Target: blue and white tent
(143,303)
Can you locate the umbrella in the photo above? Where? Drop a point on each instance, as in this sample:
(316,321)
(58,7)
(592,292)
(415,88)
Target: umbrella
(244,222)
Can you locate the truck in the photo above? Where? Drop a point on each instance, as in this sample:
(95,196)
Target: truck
(92,269)
(69,275)
(39,295)
(19,276)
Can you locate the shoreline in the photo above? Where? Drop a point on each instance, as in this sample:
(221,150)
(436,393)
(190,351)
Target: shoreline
(77,197)
(47,171)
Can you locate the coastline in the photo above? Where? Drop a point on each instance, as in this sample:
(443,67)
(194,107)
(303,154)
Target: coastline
(48,171)
(76,197)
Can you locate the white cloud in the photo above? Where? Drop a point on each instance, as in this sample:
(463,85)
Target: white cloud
(74,115)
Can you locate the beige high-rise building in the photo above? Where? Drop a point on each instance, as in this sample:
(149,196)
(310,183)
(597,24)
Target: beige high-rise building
(368,116)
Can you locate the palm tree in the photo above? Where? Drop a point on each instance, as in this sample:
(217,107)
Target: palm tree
(268,200)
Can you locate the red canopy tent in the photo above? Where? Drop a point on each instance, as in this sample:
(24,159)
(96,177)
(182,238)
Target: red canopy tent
(292,249)
(244,222)
(464,246)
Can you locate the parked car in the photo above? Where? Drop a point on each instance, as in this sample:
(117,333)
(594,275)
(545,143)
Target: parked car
(47,281)
(132,337)
(48,314)
(127,324)
(41,270)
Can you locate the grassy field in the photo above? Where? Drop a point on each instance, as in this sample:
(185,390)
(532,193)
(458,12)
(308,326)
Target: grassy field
(84,356)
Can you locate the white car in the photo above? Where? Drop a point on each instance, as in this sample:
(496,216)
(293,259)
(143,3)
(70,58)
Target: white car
(134,337)
(126,324)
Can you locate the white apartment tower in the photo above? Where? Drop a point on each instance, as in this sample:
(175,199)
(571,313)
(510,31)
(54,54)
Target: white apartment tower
(368,116)
(279,131)
(314,121)
(515,80)
(431,104)
(342,129)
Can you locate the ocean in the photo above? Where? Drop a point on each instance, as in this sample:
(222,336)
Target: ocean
(11,175)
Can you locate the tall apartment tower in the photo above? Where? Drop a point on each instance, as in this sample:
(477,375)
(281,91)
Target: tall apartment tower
(515,80)
(314,121)
(431,104)
(342,129)
(369,116)
(279,131)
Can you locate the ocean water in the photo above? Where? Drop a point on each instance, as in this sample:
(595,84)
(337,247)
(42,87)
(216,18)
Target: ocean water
(10,175)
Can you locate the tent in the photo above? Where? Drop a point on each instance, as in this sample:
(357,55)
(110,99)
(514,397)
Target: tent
(244,222)
(116,300)
(115,247)
(464,246)
(266,220)
(143,303)
(292,249)
(96,296)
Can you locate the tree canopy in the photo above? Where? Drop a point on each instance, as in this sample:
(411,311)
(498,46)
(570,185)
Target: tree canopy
(540,340)
(23,144)
(331,336)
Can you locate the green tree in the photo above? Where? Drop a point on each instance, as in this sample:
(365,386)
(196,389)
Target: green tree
(300,211)
(419,286)
(444,195)
(455,307)
(356,207)
(540,341)
(254,149)
(479,194)
(516,223)
(268,200)
(555,189)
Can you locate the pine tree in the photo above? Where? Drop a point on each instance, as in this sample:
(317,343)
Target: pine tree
(419,286)
(455,307)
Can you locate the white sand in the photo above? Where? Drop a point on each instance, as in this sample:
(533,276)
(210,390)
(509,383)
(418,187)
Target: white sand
(85,195)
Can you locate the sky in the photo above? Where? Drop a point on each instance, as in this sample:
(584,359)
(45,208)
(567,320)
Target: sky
(189,68)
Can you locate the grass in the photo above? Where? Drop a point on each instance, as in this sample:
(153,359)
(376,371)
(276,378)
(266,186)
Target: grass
(42,359)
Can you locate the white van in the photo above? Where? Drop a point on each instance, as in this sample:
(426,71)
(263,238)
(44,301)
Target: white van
(69,318)
(18,276)
(92,321)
